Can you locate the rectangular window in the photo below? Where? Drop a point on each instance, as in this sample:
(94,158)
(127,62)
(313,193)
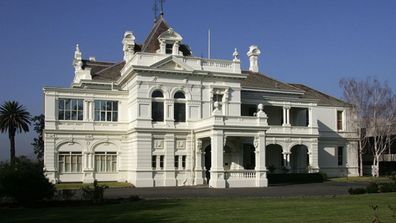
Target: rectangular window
(154,162)
(70,162)
(161,161)
(105,162)
(340,155)
(70,109)
(106,111)
(180,112)
(157,111)
(176,162)
(184,162)
(169,48)
(339,120)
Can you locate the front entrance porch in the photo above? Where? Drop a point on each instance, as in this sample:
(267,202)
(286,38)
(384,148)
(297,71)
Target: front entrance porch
(238,166)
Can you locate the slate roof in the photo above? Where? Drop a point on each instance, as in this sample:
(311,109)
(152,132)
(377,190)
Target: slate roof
(260,81)
(323,99)
(111,73)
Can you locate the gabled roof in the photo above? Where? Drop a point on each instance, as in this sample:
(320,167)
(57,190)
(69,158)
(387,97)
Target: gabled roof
(256,80)
(323,99)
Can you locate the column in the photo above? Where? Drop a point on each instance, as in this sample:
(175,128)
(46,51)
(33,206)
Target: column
(88,168)
(286,160)
(310,119)
(217,168)
(261,170)
(313,157)
(286,116)
(169,160)
(168,113)
(198,163)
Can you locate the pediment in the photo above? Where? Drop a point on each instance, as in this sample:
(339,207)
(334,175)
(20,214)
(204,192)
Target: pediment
(171,63)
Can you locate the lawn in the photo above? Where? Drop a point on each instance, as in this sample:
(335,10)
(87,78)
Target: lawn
(303,209)
(362,179)
(63,186)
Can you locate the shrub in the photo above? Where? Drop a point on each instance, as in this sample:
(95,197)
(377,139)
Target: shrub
(25,182)
(387,187)
(295,178)
(65,194)
(94,194)
(372,187)
(359,190)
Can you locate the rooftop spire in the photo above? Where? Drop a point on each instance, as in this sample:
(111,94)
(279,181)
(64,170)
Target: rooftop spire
(158,5)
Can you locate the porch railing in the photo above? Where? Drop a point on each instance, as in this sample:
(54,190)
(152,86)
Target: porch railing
(246,174)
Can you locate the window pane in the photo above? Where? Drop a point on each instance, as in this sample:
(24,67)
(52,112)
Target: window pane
(61,115)
(115,105)
(157,94)
(74,115)
(97,105)
(180,112)
(97,116)
(67,115)
(74,105)
(97,163)
(158,111)
(61,104)
(179,94)
(102,116)
(67,104)
(80,115)
(115,116)
(108,116)
(80,105)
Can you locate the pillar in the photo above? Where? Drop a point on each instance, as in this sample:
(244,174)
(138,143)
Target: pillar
(199,179)
(217,168)
(261,170)
(313,157)
(169,160)
(286,116)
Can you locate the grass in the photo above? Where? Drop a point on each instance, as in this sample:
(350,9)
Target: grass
(300,209)
(69,186)
(362,179)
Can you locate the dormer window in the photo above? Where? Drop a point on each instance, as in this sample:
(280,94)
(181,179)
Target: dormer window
(169,42)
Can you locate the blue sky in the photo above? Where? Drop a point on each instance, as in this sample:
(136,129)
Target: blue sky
(314,42)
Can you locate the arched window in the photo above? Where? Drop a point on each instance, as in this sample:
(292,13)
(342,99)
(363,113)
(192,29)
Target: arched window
(157,106)
(180,107)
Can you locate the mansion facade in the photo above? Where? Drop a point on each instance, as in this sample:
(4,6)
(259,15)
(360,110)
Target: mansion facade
(162,117)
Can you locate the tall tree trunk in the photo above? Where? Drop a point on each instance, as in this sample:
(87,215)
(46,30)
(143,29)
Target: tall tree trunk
(12,147)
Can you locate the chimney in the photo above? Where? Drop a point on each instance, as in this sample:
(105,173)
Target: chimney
(253,54)
(128,45)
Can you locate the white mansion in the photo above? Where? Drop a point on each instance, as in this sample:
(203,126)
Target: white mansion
(162,117)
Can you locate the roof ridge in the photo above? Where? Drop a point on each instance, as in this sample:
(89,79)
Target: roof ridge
(107,68)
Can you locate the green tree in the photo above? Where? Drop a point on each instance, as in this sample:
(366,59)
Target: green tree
(38,142)
(13,118)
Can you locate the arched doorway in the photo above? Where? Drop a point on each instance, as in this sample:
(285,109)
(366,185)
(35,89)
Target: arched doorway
(274,158)
(299,159)
(208,162)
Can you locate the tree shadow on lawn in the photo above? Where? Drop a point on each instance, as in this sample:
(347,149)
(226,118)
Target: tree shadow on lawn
(139,211)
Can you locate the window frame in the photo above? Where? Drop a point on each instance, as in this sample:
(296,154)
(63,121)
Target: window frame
(101,109)
(157,107)
(340,120)
(101,160)
(78,110)
(179,103)
(71,162)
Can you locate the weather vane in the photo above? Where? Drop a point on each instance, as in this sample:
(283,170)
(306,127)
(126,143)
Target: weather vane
(158,5)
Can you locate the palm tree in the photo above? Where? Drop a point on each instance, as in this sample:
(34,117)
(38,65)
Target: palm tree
(13,118)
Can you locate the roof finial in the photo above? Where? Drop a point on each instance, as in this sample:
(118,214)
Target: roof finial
(158,5)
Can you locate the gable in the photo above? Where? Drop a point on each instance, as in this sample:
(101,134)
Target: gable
(171,63)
